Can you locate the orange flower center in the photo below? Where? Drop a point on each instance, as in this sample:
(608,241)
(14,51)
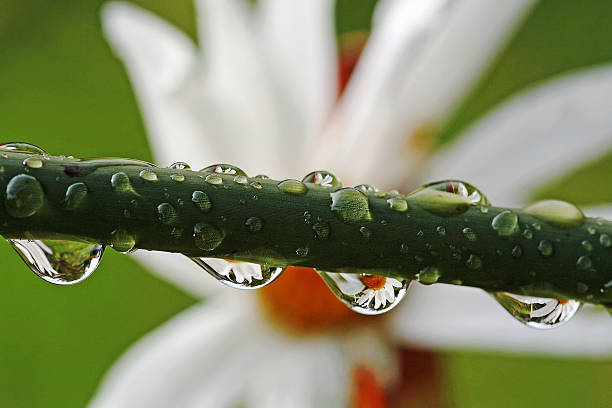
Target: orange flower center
(373,281)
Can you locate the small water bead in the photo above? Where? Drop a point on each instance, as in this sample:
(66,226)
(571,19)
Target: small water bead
(605,240)
(587,245)
(294,187)
(536,226)
(420,234)
(505,224)
(58,261)
(214,179)
(366,294)
(254,224)
(201,200)
(582,287)
(428,275)
(307,217)
(207,236)
(176,232)
(350,205)
(321,230)
(75,193)
(499,252)
(256,185)
(441,230)
(322,178)
(179,166)
(223,169)
(179,178)
(473,262)
(19,147)
(584,263)
(240,179)
(483,209)
(120,183)
(517,251)
(398,204)
(302,251)
(365,232)
(122,240)
(148,175)
(24,196)
(545,248)
(166,214)
(591,230)
(557,213)
(527,234)
(33,163)
(239,275)
(469,234)
(366,188)
(539,313)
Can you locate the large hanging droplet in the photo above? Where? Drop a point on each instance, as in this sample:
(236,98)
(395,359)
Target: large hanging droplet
(539,313)
(557,213)
(322,178)
(448,197)
(239,275)
(58,261)
(223,169)
(18,147)
(366,294)
(350,205)
(24,196)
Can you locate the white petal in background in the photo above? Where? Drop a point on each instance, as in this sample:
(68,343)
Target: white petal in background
(538,136)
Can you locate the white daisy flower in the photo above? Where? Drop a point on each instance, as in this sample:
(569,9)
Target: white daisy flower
(324,181)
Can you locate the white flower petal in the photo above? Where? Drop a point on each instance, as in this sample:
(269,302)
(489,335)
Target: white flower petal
(348,284)
(537,136)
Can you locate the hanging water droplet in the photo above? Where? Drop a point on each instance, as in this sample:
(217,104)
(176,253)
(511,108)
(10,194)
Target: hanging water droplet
(350,205)
(239,275)
(517,251)
(473,262)
(365,232)
(207,236)
(366,188)
(321,230)
(254,224)
(179,178)
(505,224)
(539,313)
(75,193)
(223,169)
(398,204)
(469,234)
(166,214)
(557,213)
(179,166)
(605,240)
(527,234)
(33,163)
(214,179)
(322,178)
(122,240)
(366,294)
(148,175)
(294,187)
(584,263)
(447,197)
(120,183)
(429,275)
(587,245)
(58,261)
(201,200)
(19,147)
(240,179)
(545,248)
(24,196)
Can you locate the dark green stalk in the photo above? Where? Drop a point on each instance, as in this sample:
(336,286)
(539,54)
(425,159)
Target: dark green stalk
(259,222)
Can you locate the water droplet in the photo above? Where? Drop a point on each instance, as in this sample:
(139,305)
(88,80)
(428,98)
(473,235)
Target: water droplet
(166,214)
(546,248)
(120,183)
(201,200)
(19,147)
(24,196)
(605,240)
(557,213)
(365,232)
(321,230)
(536,226)
(505,224)
(58,261)
(366,188)
(75,193)
(179,166)
(33,162)
(582,287)
(441,230)
(428,275)
(517,251)
(527,234)
(447,197)
(473,262)
(122,241)
(587,245)
(214,179)
(207,236)
(254,224)
(179,178)
(322,178)
(256,185)
(307,217)
(302,251)
(483,209)
(591,230)
(469,234)
(398,204)
(350,205)
(293,187)
(148,175)
(223,169)
(176,233)
(584,263)
(420,234)
(239,275)
(366,294)
(240,179)
(539,313)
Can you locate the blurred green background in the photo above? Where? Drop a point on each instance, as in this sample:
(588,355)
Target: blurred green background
(61,88)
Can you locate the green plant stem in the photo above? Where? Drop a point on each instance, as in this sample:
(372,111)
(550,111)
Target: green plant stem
(396,243)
